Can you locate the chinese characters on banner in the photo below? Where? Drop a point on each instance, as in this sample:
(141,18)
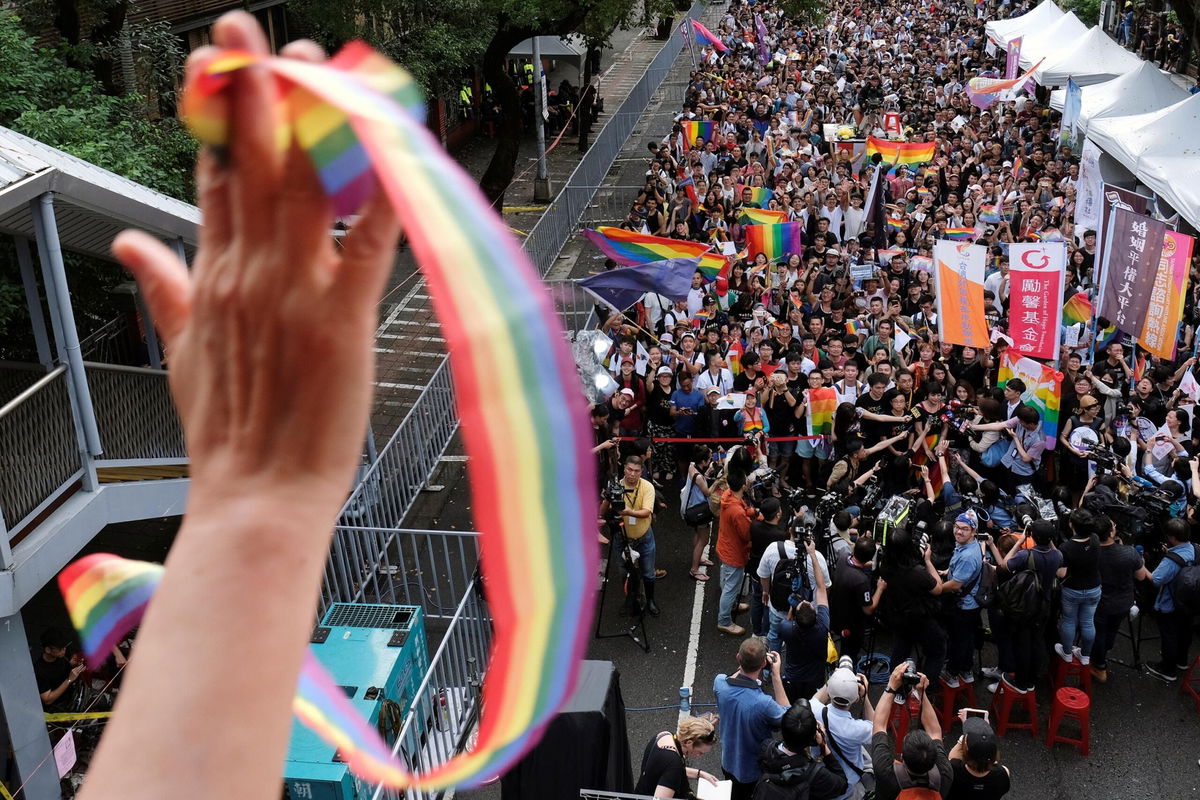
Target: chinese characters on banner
(1166,297)
(1035,286)
(1088,188)
(958,276)
(1012,63)
(1134,248)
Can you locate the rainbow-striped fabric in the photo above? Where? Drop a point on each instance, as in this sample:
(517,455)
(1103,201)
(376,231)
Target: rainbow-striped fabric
(993,214)
(776,241)
(895,224)
(821,405)
(761,216)
(629,248)
(694,129)
(759,195)
(532,477)
(1078,309)
(1043,390)
(907,153)
(959,234)
(705,36)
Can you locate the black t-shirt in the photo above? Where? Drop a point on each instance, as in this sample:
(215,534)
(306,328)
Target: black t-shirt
(781,415)
(966,786)
(763,535)
(662,767)
(883,758)
(850,593)
(50,674)
(658,406)
(1118,563)
(1082,560)
(908,598)
(872,431)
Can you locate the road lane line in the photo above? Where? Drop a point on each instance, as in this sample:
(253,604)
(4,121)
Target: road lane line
(693,651)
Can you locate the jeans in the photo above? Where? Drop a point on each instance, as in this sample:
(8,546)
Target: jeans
(731,585)
(1108,627)
(1078,613)
(960,647)
(760,620)
(774,643)
(645,549)
(1175,628)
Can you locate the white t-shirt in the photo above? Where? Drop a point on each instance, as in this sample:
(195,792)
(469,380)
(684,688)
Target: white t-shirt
(766,566)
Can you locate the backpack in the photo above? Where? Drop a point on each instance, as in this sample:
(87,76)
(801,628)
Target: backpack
(1185,589)
(790,783)
(985,580)
(1021,596)
(928,789)
(790,575)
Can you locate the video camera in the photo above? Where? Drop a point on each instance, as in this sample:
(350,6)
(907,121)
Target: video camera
(614,493)
(1105,459)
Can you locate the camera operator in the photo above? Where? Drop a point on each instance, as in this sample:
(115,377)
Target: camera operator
(1120,567)
(961,581)
(1174,623)
(923,760)
(909,606)
(778,562)
(805,634)
(846,736)
(787,767)
(638,516)
(853,599)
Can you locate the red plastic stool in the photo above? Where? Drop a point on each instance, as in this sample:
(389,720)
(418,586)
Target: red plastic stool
(1064,672)
(950,697)
(1190,685)
(902,716)
(1070,703)
(1002,706)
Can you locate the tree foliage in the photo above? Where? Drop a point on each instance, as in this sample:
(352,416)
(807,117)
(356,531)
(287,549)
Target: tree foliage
(1088,11)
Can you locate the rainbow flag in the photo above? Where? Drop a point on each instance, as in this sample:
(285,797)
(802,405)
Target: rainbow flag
(688,185)
(761,216)
(734,357)
(359,119)
(920,458)
(629,248)
(705,36)
(1043,390)
(923,192)
(895,224)
(921,263)
(993,214)
(1139,368)
(775,241)
(821,405)
(959,234)
(885,256)
(855,327)
(1078,309)
(694,129)
(759,195)
(907,153)
(1049,235)
(701,319)
(712,265)
(1017,168)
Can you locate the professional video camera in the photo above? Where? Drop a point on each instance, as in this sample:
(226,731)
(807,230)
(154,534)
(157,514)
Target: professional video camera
(766,484)
(1106,461)
(614,493)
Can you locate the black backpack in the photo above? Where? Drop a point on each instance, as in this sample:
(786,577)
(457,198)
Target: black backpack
(790,783)
(1185,589)
(790,575)
(1021,597)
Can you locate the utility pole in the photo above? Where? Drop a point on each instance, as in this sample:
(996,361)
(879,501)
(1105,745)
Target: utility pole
(541,184)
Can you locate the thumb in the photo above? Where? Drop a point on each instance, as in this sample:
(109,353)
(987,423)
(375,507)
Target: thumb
(162,278)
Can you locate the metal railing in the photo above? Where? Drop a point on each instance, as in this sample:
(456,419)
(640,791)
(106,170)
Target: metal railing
(446,706)
(115,342)
(135,414)
(39,449)
(576,308)
(16,377)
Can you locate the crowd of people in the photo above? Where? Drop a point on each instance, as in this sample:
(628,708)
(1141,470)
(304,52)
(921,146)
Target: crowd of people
(935,515)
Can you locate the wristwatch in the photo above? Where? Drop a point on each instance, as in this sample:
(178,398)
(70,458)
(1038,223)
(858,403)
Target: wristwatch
(889,690)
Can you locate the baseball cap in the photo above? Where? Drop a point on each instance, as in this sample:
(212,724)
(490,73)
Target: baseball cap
(666,338)
(627,360)
(711,390)
(686,334)
(627,391)
(1087,401)
(843,687)
(664,371)
(981,740)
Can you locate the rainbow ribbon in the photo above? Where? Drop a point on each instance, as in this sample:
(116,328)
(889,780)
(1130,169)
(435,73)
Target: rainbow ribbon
(532,475)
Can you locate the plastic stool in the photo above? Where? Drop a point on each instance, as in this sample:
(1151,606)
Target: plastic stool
(1002,707)
(950,696)
(1190,685)
(1064,671)
(901,717)
(1070,703)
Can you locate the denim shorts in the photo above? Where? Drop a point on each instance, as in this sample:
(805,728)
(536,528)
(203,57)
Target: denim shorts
(781,449)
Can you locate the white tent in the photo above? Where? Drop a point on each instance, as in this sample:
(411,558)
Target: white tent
(1047,42)
(1095,58)
(1003,31)
(1169,133)
(1141,91)
(1176,179)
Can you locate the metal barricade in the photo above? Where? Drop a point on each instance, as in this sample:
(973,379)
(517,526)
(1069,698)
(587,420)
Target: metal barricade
(135,415)
(446,706)
(576,308)
(39,449)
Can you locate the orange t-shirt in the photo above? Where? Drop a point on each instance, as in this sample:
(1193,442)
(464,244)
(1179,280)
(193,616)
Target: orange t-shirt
(733,535)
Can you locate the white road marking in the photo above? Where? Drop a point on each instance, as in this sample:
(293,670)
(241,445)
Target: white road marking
(693,651)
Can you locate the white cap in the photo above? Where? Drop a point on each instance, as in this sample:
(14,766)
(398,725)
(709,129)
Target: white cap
(843,687)
(664,371)
(628,392)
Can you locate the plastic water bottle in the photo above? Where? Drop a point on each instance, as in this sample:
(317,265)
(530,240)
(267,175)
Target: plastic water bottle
(685,699)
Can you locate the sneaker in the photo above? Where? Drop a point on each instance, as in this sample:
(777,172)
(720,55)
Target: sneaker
(991,672)
(950,680)
(1099,673)
(1085,660)
(992,687)
(967,677)
(1063,654)
(1010,682)
(1161,673)
(732,630)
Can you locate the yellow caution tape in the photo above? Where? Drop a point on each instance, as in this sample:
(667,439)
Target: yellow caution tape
(523,209)
(69,717)
(4,792)
(517,232)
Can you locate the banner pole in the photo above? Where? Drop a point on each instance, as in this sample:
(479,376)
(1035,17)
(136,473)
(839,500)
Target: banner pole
(1104,259)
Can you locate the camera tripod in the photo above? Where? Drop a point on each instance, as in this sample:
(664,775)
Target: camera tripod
(876,666)
(618,545)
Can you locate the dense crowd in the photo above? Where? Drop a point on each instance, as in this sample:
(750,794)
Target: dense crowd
(935,514)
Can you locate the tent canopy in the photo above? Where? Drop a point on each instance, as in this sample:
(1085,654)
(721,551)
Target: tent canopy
(1051,40)
(1175,179)
(553,48)
(1168,132)
(1141,91)
(1094,58)
(1003,31)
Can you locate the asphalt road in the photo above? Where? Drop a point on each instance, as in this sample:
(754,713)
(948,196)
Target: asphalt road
(1145,736)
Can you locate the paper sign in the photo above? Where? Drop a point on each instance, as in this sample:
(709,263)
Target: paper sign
(64,754)
(902,340)
(721,790)
(731,402)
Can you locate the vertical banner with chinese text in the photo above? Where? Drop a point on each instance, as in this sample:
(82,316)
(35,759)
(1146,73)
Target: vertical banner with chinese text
(1035,282)
(1160,331)
(1133,251)
(1012,62)
(958,276)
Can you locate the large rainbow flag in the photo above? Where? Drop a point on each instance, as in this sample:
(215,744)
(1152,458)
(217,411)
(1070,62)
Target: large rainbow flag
(758,194)
(359,119)
(629,248)
(821,405)
(1078,309)
(908,153)
(694,129)
(776,241)
(761,216)
(959,234)
(1043,390)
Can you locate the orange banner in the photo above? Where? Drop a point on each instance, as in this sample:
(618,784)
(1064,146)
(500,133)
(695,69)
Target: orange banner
(958,276)
(1160,330)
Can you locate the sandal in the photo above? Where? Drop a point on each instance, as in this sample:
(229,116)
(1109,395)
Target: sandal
(706,563)
(698,576)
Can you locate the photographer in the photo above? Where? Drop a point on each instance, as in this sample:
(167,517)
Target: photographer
(805,634)
(1121,566)
(961,581)
(923,760)
(846,736)
(909,605)
(1174,623)
(748,714)
(787,767)
(637,516)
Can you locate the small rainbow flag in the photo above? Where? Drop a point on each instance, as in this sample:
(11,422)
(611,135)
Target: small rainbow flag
(1017,168)
(759,195)
(907,153)
(821,405)
(993,214)
(705,36)
(885,256)
(1078,309)
(1049,235)
(701,319)
(895,224)
(694,129)
(688,185)
(776,241)
(761,216)
(855,327)
(734,357)
(712,265)
(923,192)
(959,234)
(921,263)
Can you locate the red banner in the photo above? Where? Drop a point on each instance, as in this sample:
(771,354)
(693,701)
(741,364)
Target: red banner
(1035,290)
